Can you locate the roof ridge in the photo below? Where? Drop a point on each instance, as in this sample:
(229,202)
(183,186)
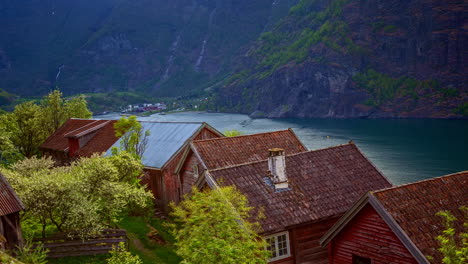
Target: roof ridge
(291,155)
(248,135)
(418,182)
(94,121)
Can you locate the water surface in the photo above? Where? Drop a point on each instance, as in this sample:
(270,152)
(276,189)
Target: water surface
(405,150)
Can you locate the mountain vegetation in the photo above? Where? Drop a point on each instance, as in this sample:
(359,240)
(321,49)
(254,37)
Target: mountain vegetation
(274,58)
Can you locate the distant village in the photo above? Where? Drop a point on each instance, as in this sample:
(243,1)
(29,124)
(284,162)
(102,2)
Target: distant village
(329,205)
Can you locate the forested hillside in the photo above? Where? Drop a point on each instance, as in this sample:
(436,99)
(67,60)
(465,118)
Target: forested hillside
(164,48)
(356,58)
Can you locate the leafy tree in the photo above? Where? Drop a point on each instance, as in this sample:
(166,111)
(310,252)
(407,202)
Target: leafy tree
(119,255)
(232,133)
(56,110)
(212,227)
(83,198)
(133,139)
(453,246)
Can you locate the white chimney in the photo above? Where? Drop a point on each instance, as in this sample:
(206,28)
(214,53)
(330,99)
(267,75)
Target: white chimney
(277,168)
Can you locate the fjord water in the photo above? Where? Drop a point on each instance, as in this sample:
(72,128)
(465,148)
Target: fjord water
(405,150)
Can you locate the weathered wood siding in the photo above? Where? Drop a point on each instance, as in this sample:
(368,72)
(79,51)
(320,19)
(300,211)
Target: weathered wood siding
(367,235)
(306,242)
(10,229)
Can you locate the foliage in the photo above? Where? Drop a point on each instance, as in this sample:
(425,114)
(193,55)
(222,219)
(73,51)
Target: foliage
(213,227)
(24,130)
(56,110)
(232,133)
(30,255)
(119,255)
(91,194)
(133,139)
(6,259)
(453,246)
(462,109)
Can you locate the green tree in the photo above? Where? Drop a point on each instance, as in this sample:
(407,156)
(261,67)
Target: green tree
(232,133)
(83,198)
(213,227)
(119,255)
(133,139)
(453,246)
(56,110)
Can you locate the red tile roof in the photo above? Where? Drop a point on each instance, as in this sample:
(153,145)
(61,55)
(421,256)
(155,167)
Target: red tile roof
(9,201)
(323,183)
(229,151)
(414,207)
(73,128)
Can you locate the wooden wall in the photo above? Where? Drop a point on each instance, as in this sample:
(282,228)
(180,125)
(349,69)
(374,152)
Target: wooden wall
(367,235)
(10,229)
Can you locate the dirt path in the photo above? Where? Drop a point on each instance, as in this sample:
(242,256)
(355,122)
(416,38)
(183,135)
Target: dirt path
(135,242)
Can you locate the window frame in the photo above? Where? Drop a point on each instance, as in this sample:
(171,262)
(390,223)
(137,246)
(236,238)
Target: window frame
(358,257)
(195,171)
(288,245)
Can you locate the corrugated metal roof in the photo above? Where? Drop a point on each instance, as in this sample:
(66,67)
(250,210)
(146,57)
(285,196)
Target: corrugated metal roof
(165,139)
(9,201)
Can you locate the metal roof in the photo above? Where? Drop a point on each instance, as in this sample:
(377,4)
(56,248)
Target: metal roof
(165,139)
(9,201)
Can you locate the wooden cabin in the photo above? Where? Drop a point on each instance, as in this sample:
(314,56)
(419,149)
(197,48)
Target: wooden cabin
(79,138)
(10,207)
(301,195)
(399,224)
(229,151)
(167,143)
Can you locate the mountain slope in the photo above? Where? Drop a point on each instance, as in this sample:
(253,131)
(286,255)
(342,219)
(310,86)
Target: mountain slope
(356,58)
(151,46)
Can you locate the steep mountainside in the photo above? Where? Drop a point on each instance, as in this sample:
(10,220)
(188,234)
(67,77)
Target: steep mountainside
(152,46)
(356,58)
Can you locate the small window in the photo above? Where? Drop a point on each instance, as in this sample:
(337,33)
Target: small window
(195,170)
(361,260)
(278,245)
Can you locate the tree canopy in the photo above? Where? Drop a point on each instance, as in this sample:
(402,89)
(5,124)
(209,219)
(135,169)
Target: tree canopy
(453,245)
(213,227)
(133,139)
(24,129)
(83,198)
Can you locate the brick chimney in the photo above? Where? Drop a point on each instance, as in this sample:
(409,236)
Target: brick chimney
(277,168)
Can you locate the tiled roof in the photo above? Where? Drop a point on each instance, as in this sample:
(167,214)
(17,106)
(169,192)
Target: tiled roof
(323,183)
(413,206)
(9,201)
(229,151)
(165,140)
(72,128)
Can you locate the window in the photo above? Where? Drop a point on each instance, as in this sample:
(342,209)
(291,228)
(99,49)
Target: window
(278,245)
(195,170)
(361,260)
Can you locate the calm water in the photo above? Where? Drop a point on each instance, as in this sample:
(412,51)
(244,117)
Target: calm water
(404,150)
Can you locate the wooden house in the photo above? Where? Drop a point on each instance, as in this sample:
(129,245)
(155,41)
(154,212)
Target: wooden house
(229,151)
(79,138)
(167,143)
(398,224)
(10,206)
(301,195)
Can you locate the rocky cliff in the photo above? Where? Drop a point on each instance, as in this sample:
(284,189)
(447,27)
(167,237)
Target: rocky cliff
(158,47)
(356,58)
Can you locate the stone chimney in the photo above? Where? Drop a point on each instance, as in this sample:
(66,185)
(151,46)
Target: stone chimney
(277,168)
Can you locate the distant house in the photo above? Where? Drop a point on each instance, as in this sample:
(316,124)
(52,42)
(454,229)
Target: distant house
(79,138)
(399,224)
(167,143)
(229,151)
(301,195)
(10,206)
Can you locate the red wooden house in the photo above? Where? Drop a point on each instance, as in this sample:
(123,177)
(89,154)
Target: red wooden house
(79,138)
(229,151)
(167,143)
(301,195)
(10,206)
(399,224)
